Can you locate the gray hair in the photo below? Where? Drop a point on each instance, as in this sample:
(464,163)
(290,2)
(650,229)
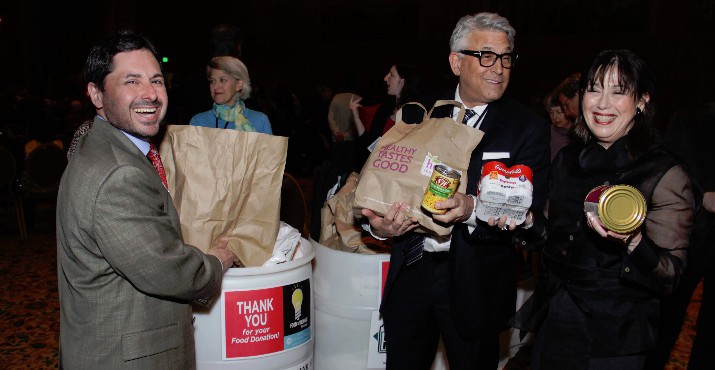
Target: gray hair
(482,22)
(234,68)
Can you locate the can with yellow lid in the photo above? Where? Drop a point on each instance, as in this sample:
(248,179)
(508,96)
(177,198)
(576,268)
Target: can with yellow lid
(442,185)
(621,208)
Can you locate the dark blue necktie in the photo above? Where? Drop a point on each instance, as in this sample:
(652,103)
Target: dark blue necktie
(469,113)
(414,246)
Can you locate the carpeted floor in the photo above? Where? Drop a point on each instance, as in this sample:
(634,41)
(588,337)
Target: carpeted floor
(29,306)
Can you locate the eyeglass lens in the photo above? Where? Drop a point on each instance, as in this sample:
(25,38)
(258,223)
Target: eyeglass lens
(488,59)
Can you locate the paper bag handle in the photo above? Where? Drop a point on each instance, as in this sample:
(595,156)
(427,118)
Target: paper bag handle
(460,115)
(398,115)
(438,103)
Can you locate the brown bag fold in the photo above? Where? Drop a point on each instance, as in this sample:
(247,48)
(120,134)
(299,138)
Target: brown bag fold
(226,181)
(341,230)
(400,166)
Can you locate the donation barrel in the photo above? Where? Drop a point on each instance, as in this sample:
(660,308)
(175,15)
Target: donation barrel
(262,319)
(347,289)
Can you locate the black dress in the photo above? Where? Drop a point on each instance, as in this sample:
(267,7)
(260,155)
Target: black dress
(594,299)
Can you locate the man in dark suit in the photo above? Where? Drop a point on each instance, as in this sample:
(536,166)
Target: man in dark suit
(464,286)
(126,279)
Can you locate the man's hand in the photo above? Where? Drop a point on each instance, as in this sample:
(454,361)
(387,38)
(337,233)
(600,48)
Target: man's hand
(459,208)
(219,248)
(395,222)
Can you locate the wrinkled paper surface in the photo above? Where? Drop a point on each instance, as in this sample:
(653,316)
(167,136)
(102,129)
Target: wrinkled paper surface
(226,181)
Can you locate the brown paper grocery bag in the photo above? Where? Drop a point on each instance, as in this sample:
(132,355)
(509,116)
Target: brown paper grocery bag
(226,181)
(400,166)
(341,230)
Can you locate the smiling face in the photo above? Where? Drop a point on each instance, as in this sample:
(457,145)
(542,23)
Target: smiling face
(481,85)
(558,118)
(394,82)
(224,87)
(609,110)
(134,98)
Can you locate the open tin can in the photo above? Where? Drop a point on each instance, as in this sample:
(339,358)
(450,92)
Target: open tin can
(621,208)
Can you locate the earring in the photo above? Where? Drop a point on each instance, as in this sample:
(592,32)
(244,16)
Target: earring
(638,111)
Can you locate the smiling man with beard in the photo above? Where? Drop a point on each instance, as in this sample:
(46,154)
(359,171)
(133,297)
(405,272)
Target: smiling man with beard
(126,279)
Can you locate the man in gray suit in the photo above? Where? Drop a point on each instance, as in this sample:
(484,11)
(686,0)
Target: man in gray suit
(126,279)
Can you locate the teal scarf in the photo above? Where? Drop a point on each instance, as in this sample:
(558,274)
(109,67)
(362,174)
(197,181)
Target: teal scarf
(234,114)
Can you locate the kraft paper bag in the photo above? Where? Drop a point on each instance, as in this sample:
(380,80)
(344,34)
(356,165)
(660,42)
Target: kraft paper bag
(226,181)
(340,229)
(400,166)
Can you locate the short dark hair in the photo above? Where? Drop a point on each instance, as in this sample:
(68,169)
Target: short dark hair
(637,80)
(99,61)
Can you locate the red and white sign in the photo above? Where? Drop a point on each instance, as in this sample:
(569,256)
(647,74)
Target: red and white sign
(264,321)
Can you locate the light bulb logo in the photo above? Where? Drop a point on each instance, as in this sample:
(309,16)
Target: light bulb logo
(297,300)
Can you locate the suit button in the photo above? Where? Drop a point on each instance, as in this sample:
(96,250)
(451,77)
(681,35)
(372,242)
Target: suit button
(627,269)
(578,223)
(571,237)
(564,252)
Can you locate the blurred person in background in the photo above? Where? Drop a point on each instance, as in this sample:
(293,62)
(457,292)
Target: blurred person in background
(230,85)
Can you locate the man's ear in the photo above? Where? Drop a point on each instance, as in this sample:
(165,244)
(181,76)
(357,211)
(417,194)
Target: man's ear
(95,94)
(455,62)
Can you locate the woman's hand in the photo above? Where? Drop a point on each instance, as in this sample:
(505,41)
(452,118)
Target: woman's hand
(629,240)
(355,103)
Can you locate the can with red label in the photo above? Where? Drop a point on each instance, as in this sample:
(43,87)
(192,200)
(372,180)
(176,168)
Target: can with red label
(504,191)
(442,185)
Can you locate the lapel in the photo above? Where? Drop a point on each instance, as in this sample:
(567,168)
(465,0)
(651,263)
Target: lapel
(120,141)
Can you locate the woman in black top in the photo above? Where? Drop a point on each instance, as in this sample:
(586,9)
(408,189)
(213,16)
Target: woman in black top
(596,306)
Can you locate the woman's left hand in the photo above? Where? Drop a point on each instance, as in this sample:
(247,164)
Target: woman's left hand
(629,240)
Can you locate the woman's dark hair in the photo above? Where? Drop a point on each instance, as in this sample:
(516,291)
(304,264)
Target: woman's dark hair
(99,61)
(636,80)
(411,88)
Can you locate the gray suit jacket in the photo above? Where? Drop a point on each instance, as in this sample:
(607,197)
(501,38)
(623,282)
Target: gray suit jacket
(125,277)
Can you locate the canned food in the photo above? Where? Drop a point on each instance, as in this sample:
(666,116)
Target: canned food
(442,186)
(621,208)
(504,191)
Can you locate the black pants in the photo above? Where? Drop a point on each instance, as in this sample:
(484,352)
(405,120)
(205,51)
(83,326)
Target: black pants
(418,312)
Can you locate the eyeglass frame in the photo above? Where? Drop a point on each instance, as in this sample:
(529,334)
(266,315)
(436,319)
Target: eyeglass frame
(478,55)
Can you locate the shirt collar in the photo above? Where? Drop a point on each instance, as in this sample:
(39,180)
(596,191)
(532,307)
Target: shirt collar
(142,144)
(479,109)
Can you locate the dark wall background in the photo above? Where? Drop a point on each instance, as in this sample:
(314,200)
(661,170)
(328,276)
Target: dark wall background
(296,45)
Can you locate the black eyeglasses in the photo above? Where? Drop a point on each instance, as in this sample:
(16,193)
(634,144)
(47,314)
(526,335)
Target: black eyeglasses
(488,58)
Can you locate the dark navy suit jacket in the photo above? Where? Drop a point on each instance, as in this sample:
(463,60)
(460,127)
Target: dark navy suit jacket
(482,263)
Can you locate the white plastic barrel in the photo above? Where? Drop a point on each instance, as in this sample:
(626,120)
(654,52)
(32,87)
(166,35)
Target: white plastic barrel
(262,320)
(347,292)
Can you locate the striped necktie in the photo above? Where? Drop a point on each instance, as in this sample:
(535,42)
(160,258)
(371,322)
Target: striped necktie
(469,113)
(414,246)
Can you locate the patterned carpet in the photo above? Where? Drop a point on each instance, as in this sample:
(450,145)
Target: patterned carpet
(29,306)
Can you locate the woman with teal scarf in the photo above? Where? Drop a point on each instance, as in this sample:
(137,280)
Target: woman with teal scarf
(230,85)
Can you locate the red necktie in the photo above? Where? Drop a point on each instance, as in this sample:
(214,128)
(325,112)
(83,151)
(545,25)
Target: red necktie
(155,159)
